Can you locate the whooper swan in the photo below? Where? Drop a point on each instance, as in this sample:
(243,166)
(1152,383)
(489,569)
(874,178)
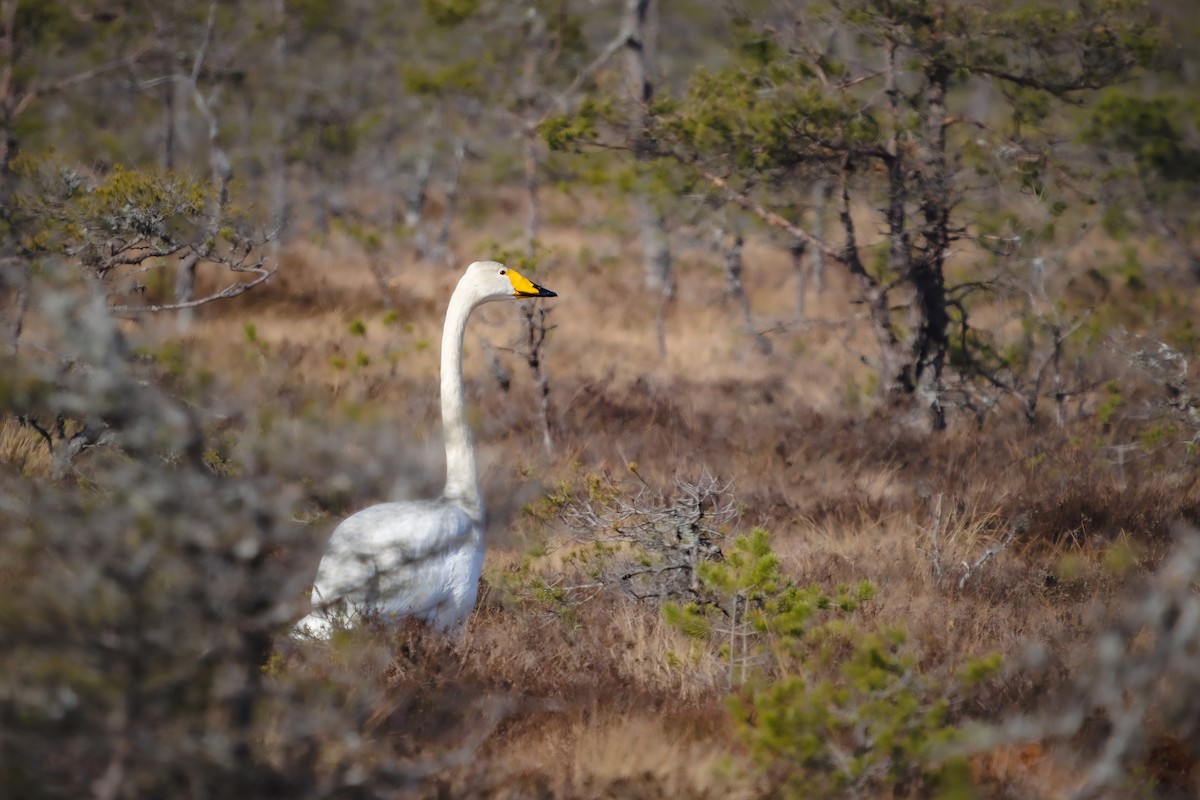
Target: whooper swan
(421,558)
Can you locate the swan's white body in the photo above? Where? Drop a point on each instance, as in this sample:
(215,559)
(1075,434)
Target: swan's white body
(421,559)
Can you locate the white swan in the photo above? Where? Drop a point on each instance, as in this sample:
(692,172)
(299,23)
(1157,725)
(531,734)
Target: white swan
(421,559)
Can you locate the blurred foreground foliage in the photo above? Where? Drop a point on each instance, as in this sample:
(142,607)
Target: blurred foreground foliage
(145,591)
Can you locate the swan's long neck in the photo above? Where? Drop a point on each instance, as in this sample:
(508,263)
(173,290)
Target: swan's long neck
(462,482)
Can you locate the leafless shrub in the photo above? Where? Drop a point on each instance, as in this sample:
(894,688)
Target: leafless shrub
(653,540)
(972,559)
(1168,370)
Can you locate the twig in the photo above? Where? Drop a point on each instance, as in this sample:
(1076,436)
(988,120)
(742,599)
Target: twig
(935,554)
(994,550)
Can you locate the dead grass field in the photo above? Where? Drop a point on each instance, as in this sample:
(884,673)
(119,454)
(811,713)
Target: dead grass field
(608,700)
(846,493)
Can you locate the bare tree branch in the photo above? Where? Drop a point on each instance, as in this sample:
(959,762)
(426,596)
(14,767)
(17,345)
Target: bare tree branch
(37,92)
(233,290)
(770,217)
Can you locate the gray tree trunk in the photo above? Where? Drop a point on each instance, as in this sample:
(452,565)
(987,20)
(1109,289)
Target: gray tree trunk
(731,253)
(822,193)
(222,174)
(639,27)
(656,244)
(169,125)
(414,206)
(15,280)
(280,197)
(441,247)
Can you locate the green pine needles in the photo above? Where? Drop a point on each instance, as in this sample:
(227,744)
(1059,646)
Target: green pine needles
(826,706)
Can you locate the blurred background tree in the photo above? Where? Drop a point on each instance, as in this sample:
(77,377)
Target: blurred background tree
(924,112)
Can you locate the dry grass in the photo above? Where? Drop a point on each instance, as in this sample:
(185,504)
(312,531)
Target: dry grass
(845,494)
(23,448)
(608,700)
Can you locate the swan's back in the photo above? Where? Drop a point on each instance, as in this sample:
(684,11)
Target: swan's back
(412,559)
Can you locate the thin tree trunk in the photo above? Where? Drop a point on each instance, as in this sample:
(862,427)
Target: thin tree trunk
(280,196)
(531,188)
(665,297)
(441,247)
(732,257)
(414,209)
(535,337)
(418,193)
(169,125)
(221,169)
(900,257)
(185,273)
(185,289)
(656,244)
(322,209)
(9,105)
(892,364)
(16,275)
(638,28)
(534,313)
(17,278)
(797,250)
(822,193)
(1060,397)
(932,319)
(527,117)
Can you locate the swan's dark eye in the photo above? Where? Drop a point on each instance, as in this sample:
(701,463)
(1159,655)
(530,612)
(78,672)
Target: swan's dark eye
(502,272)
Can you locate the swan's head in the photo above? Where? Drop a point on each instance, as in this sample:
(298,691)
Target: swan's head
(491,280)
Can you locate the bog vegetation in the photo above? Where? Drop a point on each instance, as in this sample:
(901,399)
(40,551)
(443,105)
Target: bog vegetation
(856,458)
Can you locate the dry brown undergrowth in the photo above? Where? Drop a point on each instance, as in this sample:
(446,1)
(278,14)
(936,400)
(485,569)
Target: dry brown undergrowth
(846,494)
(588,703)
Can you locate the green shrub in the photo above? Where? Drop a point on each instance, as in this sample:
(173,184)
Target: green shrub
(826,706)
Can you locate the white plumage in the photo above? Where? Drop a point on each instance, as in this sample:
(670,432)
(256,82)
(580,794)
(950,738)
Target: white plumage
(421,559)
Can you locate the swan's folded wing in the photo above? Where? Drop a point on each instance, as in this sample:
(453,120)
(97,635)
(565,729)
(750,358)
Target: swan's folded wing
(388,541)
